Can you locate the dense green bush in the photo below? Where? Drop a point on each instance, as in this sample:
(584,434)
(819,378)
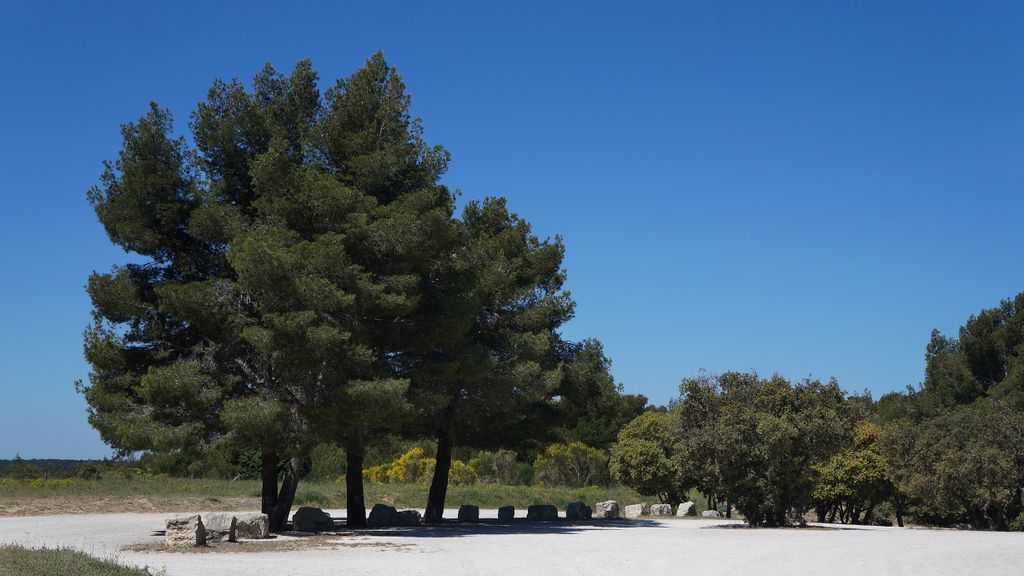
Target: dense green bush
(965,466)
(327,461)
(498,467)
(572,464)
(642,458)
(755,442)
(853,483)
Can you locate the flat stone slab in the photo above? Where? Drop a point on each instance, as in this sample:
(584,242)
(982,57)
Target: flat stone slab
(252,525)
(634,510)
(661,510)
(686,509)
(183,531)
(221,526)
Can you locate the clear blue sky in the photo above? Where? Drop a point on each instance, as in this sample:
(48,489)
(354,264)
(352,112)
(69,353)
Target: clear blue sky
(806,188)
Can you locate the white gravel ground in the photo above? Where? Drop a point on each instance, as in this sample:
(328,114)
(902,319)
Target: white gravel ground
(670,546)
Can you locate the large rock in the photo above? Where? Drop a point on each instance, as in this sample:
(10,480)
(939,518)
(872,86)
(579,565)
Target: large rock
(469,513)
(408,518)
(686,509)
(606,509)
(185,531)
(309,519)
(253,525)
(381,515)
(635,510)
(661,510)
(542,512)
(506,513)
(710,514)
(220,526)
(578,511)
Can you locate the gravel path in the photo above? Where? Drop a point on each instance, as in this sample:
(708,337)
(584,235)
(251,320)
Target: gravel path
(671,546)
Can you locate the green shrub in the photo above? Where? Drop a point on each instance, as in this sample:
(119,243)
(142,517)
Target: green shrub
(327,461)
(498,467)
(573,464)
(642,458)
(1017,524)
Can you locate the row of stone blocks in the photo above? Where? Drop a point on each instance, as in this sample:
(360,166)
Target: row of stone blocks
(195,531)
(198,529)
(684,509)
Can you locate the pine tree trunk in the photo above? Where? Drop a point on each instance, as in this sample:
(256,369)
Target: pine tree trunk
(268,473)
(439,484)
(355,504)
(820,511)
(285,497)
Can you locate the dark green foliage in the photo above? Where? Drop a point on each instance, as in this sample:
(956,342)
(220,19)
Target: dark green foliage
(592,403)
(987,360)
(483,359)
(953,446)
(248,464)
(21,469)
(327,462)
(755,442)
(281,260)
(964,466)
(642,459)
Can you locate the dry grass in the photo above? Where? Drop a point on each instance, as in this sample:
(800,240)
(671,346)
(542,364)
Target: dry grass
(20,561)
(162,494)
(277,544)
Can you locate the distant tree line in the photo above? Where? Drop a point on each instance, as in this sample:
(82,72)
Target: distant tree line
(34,468)
(300,278)
(949,452)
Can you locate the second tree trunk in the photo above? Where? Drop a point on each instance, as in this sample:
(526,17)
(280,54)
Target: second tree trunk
(439,483)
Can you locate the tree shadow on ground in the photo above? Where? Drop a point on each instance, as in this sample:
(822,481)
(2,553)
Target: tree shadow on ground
(484,527)
(815,526)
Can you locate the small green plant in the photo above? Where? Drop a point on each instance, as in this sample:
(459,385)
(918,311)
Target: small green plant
(1017,524)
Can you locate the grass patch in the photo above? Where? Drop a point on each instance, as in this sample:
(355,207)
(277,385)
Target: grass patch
(19,561)
(163,494)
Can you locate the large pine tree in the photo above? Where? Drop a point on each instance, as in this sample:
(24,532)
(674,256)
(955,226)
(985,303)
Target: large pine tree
(484,363)
(279,262)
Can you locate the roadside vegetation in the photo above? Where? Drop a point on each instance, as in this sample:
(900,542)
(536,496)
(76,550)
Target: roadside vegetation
(305,308)
(168,494)
(20,561)
(947,453)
